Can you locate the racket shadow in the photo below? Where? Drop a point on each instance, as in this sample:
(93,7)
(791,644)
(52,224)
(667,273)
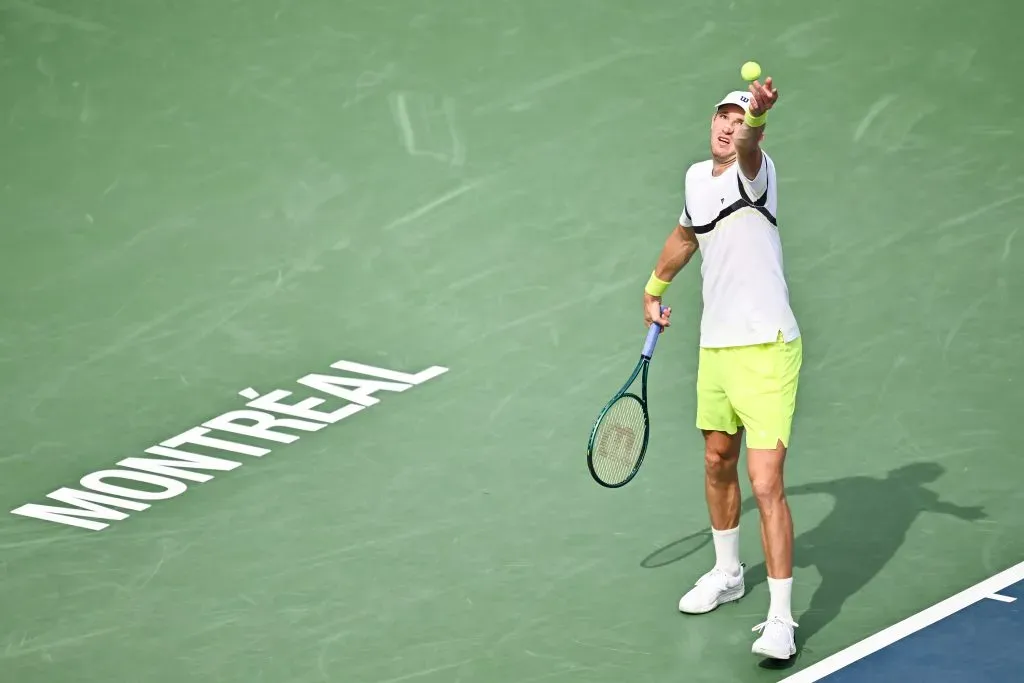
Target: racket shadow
(677,550)
(688,545)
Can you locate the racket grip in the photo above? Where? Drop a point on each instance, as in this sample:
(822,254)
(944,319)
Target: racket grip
(652,338)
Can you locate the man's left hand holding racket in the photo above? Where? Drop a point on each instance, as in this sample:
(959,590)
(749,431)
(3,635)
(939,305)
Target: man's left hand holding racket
(655,312)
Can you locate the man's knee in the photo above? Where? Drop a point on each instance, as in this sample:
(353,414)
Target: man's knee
(766,479)
(767,488)
(721,453)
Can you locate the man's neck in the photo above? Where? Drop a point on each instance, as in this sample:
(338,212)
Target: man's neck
(720,164)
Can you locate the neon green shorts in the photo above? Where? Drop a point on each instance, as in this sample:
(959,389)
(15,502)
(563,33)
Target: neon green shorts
(750,386)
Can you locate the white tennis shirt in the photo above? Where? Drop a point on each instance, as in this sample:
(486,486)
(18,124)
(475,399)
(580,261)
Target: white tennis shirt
(746,297)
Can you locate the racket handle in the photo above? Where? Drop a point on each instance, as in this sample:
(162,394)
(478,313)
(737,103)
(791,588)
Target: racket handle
(652,338)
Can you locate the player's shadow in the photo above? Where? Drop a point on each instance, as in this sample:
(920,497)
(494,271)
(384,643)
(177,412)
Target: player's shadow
(866,527)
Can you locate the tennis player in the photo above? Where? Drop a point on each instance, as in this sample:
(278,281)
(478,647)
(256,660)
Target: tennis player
(750,353)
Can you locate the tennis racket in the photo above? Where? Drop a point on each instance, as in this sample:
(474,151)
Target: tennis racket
(618,440)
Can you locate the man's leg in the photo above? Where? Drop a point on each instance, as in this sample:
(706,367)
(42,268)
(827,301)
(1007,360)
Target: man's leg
(722,491)
(723,437)
(765,399)
(765,468)
(721,479)
(722,440)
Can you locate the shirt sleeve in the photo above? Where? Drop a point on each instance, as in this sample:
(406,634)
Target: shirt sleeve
(684,218)
(756,188)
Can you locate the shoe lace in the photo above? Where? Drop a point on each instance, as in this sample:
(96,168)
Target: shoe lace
(716,574)
(774,620)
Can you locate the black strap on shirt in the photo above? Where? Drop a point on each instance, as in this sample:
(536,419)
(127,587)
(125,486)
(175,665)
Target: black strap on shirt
(743,202)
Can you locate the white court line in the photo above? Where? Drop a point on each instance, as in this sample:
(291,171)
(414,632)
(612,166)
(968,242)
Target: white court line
(1001,598)
(908,626)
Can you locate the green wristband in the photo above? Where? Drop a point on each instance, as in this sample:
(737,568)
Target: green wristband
(655,287)
(755,121)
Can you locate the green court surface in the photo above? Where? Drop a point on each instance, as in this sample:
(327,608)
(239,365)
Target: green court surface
(207,196)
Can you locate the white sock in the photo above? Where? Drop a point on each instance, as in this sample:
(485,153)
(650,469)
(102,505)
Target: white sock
(781,590)
(727,549)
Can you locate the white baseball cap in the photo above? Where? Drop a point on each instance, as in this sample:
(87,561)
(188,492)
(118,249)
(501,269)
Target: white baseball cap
(740,98)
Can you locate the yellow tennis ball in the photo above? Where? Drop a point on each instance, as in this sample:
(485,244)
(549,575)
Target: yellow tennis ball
(750,71)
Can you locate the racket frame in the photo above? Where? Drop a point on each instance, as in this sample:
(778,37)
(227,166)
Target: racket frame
(642,366)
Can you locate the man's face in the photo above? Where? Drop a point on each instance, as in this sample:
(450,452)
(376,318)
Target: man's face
(724,124)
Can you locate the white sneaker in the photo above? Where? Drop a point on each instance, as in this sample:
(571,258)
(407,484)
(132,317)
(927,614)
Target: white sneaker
(776,639)
(715,588)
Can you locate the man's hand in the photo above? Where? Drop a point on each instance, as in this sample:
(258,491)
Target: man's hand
(762,97)
(971,513)
(653,314)
(748,138)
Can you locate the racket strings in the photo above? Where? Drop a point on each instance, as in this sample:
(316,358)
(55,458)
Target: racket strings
(619,441)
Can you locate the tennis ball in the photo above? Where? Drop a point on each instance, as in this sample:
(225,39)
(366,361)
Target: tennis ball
(750,71)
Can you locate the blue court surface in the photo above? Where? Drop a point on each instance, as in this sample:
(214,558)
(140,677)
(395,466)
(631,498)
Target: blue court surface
(976,636)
